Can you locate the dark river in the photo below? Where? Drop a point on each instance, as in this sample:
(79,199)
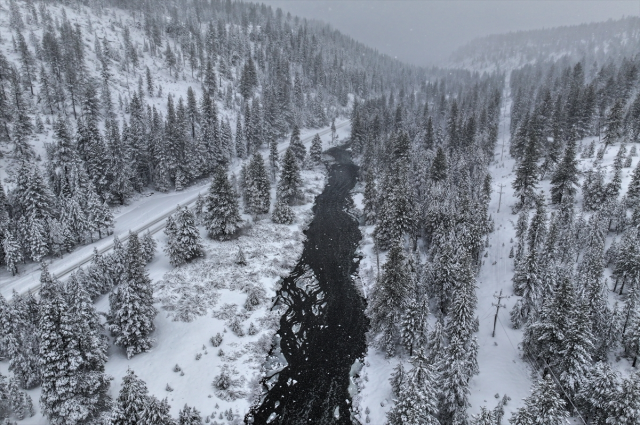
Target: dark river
(323,329)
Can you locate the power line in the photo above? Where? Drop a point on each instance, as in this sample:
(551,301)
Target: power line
(553,375)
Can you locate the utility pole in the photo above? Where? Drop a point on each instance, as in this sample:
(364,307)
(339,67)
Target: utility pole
(497,306)
(501,186)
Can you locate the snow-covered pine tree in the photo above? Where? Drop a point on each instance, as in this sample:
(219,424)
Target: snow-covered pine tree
(527,173)
(543,406)
(148,247)
(12,252)
(414,326)
(282,213)
(297,147)
(257,186)
(274,159)
(613,123)
(72,355)
(156,412)
(315,153)
(576,348)
(439,166)
(121,187)
(599,392)
(22,341)
(389,299)
(131,314)
(633,191)
(485,417)
(183,238)
(189,416)
(290,181)
(565,179)
(241,143)
(222,218)
(461,322)
(454,379)
(626,406)
(417,403)
(132,402)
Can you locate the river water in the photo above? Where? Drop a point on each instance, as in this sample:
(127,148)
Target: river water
(323,328)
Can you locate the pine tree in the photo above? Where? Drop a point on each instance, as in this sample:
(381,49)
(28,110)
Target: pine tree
(439,166)
(633,191)
(417,401)
(273,158)
(396,215)
(189,416)
(131,314)
(485,417)
(565,178)
(527,173)
(626,406)
(455,376)
(290,181)
(222,218)
(389,300)
(599,392)
(22,340)
(461,313)
(576,349)
(257,187)
(12,252)
(148,247)
(72,356)
(241,143)
(282,212)
(436,343)
(543,406)
(27,61)
(132,402)
(414,326)
(613,123)
(296,146)
(156,412)
(121,187)
(183,238)
(170,59)
(315,153)
(22,126)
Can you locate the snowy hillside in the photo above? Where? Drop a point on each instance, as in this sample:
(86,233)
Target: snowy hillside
(216,212)
(593,42)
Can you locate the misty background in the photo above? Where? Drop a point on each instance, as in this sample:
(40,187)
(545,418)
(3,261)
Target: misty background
(427,32)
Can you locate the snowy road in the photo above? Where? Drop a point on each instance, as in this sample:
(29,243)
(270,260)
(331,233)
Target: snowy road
(146,213)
